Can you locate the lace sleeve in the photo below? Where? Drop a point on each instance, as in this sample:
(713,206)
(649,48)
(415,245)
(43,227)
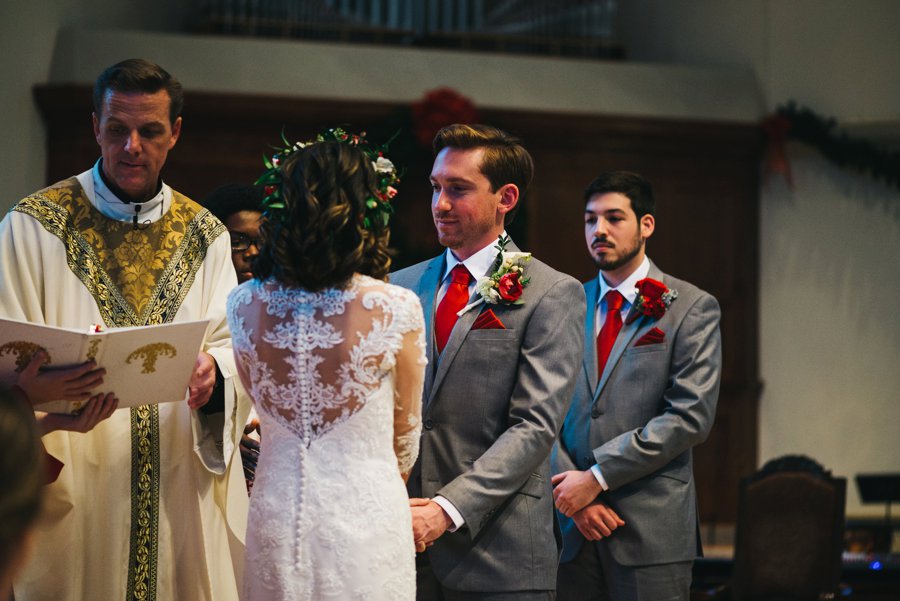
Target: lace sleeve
(410,378)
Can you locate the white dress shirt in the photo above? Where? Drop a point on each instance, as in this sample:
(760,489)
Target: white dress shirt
(628,290)
(478,265)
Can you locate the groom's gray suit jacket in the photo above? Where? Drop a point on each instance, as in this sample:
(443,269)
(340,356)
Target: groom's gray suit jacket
(493,404)
(639,420)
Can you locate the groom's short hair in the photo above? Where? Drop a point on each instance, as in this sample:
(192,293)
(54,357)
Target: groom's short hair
(505,160)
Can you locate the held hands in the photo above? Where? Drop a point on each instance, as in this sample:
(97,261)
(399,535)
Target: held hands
(574,490)
(430,521)
(97,409)
(597,521)
(70,384)
(202,381)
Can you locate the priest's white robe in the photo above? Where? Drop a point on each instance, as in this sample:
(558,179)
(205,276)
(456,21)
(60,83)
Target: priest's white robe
(150,504)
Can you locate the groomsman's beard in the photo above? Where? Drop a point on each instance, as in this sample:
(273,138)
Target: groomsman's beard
(627,255)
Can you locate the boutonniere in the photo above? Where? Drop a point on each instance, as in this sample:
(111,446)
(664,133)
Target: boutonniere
(653,299)
(507,281)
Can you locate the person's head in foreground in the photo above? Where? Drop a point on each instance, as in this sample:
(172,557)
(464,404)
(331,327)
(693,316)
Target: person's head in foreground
(21,485)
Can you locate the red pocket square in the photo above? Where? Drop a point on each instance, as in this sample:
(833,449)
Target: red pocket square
(654,336)
(488,321)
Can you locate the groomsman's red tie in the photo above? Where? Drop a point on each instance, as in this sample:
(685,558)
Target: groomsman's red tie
(455,299)
(611,326)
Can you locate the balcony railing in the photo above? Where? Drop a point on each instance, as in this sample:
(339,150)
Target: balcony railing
(563,27)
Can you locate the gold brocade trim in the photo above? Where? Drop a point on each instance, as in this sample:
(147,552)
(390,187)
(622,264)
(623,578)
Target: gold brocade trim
(150,297)
(144,547)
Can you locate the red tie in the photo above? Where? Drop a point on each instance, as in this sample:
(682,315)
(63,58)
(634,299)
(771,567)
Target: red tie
(456,297)
(611,326)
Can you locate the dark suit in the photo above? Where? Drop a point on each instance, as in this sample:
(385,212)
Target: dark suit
(639,421)
(492,406)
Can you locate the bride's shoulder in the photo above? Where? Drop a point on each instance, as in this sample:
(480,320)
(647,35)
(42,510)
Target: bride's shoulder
(398,294)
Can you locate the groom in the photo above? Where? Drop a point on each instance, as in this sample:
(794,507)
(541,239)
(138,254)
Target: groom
(497,385)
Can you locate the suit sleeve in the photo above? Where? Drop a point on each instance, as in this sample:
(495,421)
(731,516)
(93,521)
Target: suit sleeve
(551,352)
(688,404)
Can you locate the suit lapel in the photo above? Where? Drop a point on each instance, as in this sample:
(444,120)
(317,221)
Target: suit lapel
(457,336)
(590,340)
(427,291)
(626,334)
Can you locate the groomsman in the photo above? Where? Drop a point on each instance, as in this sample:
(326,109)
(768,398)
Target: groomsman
(624,483)
(499,381)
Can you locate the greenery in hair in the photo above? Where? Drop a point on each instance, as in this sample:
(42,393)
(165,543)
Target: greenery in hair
(378,207)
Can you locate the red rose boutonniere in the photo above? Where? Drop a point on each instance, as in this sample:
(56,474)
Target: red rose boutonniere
(507,281)
(653,299)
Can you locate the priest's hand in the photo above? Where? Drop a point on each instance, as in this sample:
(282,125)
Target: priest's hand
(98,408)
(573,490)
(430,521)
(597,521)
(202,381)
(69,384)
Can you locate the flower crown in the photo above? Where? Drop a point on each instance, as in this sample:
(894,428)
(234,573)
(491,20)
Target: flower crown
(378,208)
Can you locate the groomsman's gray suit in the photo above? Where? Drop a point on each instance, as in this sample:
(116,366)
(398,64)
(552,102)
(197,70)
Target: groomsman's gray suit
(639,420)
(493,403)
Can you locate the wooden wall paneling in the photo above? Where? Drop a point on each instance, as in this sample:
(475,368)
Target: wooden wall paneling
(704,175)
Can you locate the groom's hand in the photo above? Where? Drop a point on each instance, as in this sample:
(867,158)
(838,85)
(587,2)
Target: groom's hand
(429,520)
(573,490)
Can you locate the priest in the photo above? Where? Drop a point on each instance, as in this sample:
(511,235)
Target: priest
(151,503)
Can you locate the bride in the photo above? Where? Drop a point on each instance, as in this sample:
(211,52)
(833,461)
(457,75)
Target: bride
(333,358)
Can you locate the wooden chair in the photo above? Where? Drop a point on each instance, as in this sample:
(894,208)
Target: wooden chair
(790,530)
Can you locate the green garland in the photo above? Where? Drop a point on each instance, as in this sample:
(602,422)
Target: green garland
(862,155)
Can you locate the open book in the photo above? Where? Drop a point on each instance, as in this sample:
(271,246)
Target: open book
(144,364)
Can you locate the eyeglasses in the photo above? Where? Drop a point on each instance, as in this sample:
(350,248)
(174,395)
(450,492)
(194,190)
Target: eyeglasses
(240,242)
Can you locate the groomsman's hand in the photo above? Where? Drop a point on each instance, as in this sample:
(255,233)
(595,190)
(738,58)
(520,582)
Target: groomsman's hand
(430,521)
(597,521)
(574,490)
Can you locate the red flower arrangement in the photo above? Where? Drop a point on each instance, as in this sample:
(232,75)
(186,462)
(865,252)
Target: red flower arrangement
(439,108)
(653,299)
(510,286)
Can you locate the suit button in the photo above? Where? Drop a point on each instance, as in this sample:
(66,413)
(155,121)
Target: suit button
(428,424)
(595,413)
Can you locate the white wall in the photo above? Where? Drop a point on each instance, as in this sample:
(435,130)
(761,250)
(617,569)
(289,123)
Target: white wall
(829,285)
(829,281)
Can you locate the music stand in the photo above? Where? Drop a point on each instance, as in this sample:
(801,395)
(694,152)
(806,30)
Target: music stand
(880,488)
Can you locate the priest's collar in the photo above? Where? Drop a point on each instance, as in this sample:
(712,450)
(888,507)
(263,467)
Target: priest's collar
(111,206)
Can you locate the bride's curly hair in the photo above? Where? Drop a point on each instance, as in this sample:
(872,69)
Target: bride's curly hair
(320,241)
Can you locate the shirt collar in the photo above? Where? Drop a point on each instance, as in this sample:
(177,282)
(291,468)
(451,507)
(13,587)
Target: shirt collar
(628,288)
(111,206)
(478,264)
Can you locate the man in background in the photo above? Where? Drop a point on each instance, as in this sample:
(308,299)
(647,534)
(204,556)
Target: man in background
(624,482)
(240,208)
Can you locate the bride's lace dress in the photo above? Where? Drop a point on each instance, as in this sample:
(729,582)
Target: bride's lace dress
(336,377)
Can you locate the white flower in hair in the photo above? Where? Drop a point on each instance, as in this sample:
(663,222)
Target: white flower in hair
(383,165)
